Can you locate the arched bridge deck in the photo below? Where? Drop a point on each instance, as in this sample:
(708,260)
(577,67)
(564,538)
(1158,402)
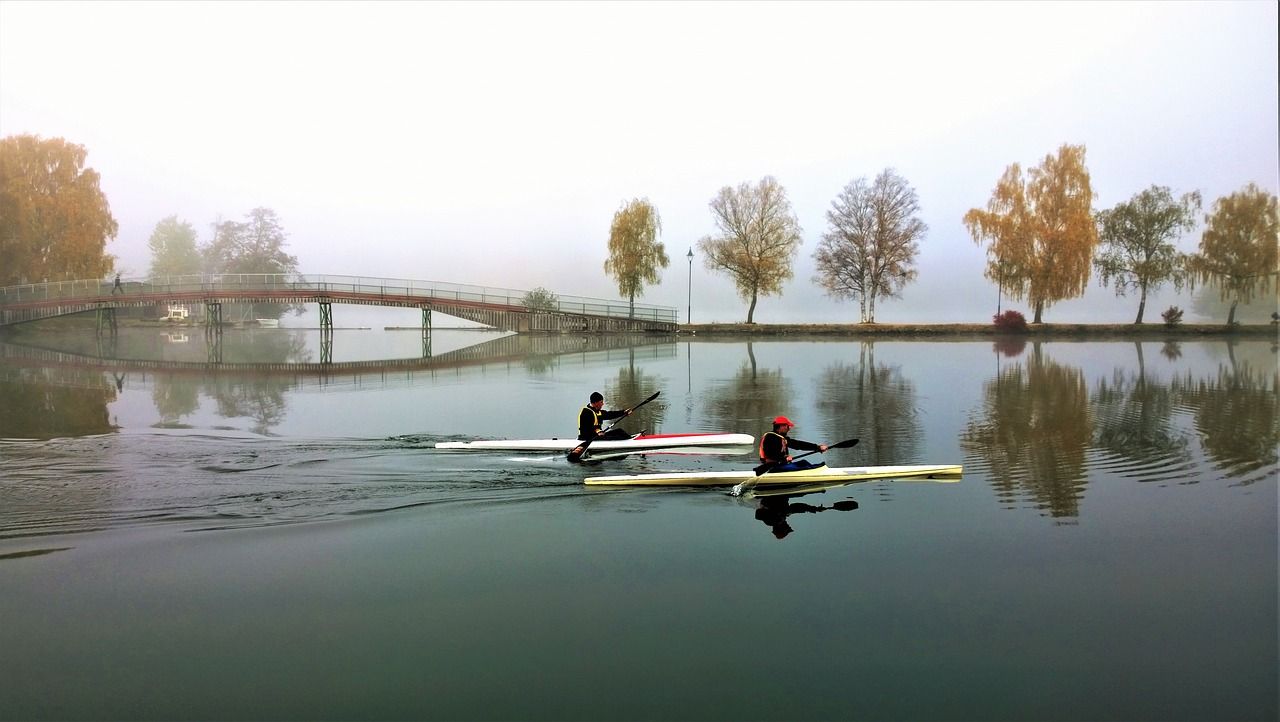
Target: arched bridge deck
(500,308)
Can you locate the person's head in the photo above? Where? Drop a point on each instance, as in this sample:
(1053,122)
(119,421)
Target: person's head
(782,424)
(597,399)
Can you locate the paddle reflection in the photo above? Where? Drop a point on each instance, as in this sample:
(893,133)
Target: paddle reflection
(776,505)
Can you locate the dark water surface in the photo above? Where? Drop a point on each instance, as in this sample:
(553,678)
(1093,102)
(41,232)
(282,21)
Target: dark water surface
(260,527)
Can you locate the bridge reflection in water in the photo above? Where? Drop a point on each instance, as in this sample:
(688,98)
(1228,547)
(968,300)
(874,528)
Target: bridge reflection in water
(104,365)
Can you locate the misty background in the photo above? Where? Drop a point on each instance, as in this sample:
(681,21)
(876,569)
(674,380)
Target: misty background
(491,143)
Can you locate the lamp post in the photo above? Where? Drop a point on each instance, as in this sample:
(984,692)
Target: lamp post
(999,284)
(688,312)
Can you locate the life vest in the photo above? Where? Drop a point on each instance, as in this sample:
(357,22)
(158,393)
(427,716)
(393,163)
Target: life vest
(595,420)
(766,435)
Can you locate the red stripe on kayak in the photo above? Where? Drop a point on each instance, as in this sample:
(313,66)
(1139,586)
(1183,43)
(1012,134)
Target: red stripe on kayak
(674,436)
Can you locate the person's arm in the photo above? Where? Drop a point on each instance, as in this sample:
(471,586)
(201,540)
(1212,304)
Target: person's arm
(615,414)
(805,445)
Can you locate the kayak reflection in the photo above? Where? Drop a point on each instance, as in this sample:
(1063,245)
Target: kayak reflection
(778,504)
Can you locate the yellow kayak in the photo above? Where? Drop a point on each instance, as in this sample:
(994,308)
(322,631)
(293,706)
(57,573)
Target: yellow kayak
(803,476)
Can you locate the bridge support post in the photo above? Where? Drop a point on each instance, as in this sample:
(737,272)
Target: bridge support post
(212,317)
(326,317)
(326,346)
(106,317)
(107,346)
(426,333)
(214,342)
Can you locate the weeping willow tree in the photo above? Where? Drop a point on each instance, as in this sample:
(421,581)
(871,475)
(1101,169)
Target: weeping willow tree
(1238,251)
(635,255)
(1137,251)
(1041,229)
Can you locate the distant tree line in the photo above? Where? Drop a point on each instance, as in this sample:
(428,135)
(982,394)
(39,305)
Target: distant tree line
(255,245)
(55,223)
(1043,238)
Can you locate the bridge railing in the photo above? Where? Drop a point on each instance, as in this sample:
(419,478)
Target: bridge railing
(303,282)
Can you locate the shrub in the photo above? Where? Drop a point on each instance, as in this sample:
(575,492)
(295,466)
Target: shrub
(1172,316)
(540,299)
(1010,346)
(1010,321)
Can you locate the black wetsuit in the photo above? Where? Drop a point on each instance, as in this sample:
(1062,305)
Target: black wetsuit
(589,424)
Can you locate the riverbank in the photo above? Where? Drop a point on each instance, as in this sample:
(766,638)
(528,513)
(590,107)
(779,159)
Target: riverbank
(1157,330)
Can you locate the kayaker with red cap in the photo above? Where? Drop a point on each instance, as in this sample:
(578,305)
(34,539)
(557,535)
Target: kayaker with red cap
(775,447)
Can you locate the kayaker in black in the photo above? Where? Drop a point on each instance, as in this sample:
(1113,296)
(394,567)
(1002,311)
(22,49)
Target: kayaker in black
(593,414)
(775,447)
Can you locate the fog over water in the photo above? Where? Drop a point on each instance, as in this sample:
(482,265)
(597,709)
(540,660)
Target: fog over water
(490,144)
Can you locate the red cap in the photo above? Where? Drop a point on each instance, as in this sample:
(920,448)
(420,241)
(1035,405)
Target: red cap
(783,420)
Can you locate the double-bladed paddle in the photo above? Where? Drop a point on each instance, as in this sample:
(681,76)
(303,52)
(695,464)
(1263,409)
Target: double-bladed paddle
(580,449)
(768,465)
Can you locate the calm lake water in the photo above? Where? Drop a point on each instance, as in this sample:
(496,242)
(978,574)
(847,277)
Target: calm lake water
(274,536)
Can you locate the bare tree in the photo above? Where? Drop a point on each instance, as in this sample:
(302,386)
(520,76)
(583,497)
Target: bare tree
(759,237)
(873,241)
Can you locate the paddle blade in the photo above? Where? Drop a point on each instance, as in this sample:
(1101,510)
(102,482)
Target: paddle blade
(842,444)
(576,453)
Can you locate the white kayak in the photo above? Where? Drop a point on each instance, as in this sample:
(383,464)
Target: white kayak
(804,476)
(641,443)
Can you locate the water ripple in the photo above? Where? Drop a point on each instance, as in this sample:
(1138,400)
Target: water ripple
(211,482)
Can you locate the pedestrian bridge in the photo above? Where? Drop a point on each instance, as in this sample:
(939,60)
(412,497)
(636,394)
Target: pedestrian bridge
(504,309)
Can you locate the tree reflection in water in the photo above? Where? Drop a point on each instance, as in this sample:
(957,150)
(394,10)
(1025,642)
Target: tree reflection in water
(747,400)
(36,408)
(1235,415)
(632,387)
(874,403)
(1033,434)
(175,396)
(1133,419)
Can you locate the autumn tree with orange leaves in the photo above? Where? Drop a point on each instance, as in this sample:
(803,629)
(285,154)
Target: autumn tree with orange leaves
(635,255)
(1041,230)
(54,219)
(1238,251)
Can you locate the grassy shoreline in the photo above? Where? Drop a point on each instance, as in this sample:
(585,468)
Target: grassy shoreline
(1158,330)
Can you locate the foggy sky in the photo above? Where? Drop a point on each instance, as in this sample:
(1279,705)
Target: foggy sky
(491,143)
